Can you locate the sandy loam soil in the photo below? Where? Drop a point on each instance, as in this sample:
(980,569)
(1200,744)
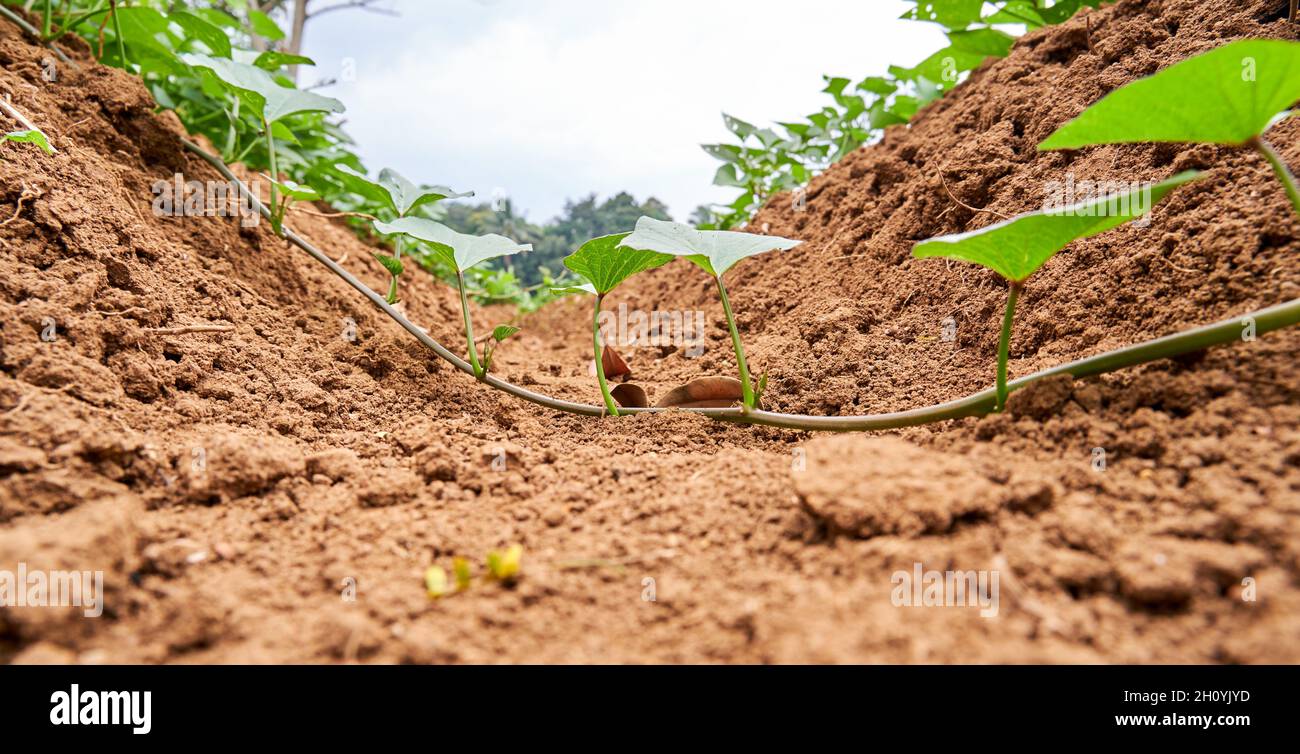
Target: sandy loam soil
(332,466)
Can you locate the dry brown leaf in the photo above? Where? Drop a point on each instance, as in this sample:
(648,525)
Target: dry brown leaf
(614,364)
(704,392)
(631,396)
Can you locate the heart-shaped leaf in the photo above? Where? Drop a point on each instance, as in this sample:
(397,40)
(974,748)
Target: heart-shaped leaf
(604,264)
(1017,248)
(614,364)
(716,251)
(396,191)
(1224,96)
(502,332)
(459,250)
(704,392)
(270,100)
(629,395)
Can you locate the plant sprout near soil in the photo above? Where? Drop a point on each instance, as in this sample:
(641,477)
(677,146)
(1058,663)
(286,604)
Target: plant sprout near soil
(604,263)
(1230,95)
(270,101)
(461,252)
(1019,247)
(715,252)
(401,197)
(155,42)
(28,137)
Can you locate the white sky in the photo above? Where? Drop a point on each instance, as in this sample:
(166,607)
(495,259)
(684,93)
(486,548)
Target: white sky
(548,100)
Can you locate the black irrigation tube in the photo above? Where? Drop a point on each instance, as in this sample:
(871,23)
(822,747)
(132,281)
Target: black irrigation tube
(979,404)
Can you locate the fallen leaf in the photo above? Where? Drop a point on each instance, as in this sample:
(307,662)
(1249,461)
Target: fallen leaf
(704,392)
(614,364)
(630,396)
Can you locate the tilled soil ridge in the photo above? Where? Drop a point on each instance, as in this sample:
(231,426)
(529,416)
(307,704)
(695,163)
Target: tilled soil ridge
(272,487)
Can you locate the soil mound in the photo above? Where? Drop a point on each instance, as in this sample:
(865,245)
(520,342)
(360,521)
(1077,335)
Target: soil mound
(263,466)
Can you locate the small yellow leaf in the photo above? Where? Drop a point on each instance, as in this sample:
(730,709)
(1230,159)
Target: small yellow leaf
(435,580)
(460,566)
(504,566)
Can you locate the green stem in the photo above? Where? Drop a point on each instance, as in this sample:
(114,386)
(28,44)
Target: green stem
(45,26)
(1280,169)
(67,25)
(117,30)
(746,385)
(610,405)
(276,221)
(469,326)
(1004,346)
(392,282)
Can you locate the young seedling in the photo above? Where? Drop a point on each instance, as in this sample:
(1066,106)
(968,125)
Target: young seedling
(714,251)
(499,335)
(1230,95)
(29,137)
(1019,247)
(271,102)
(604,264)
(290,192)
(461,252)
(393,192)
(503,566)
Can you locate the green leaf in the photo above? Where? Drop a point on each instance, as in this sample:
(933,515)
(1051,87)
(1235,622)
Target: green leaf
(399,194)
(273,60)
(1224,96)
(211,36)
(264,26)
(459,250)
(29,137)
(503,332)
(716,251)
(570,290)
(295,190)
(738,127)
(604,264)
(954,14)
(269,100)
(392,264)
(1017,248)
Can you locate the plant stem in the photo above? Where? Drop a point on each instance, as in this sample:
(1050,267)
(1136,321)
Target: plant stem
(45,26)
(276,220)
(610,405)
(117,31)
(1280,169)
(392,283)
(746,385)
(1004,346)
(1277,317)
(469,326)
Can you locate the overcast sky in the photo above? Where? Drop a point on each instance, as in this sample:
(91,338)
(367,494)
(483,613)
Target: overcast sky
(548,100)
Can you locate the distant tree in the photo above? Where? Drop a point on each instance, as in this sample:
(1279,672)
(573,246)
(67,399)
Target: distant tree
(580,221)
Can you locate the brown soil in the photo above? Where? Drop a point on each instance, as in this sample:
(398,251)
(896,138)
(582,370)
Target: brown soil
(330,462)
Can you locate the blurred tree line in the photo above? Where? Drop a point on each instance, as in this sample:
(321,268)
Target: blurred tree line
(580,222)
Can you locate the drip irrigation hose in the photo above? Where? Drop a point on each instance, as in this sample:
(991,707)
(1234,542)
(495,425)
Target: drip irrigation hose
(981,403)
